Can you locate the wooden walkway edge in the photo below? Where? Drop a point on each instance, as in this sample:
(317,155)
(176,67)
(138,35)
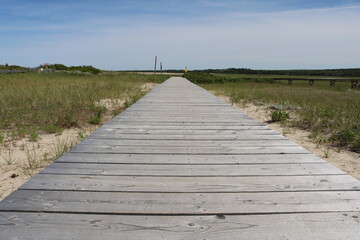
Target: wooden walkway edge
(183,164)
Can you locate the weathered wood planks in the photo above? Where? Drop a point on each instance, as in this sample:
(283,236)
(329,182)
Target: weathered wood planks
(187,143)
(189,159)
(181,203)
(191,170)
(330,226)
(243,184)
(183,164)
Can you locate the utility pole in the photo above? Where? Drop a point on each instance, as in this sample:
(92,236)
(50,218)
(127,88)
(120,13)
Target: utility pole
(155,64)
(161,67)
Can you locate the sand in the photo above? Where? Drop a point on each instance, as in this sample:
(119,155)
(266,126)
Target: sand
(21,159)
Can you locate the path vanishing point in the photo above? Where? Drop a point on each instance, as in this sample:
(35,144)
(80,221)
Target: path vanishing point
(183,164)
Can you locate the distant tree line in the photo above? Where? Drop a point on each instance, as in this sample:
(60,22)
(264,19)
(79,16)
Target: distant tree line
(12,67)
(204,78)
(57,66)
(342,72)
(62,67)
(345,72)
(209,78)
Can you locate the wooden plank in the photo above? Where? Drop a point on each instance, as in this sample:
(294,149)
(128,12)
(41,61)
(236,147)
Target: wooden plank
(141,105)
(183,123)
(185,143)
(155,110)
(44,226)
(185,137)
(167,102)
(186,119)
(181,203)
(191,170)
(187,150)
(177,102)
(189,113)
(189,159)
(176,127)
(186,122)
(186,132)
(214,115)
(184,109)
(192,184)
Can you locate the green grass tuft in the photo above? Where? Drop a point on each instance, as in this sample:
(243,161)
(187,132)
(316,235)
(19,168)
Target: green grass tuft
(34,136)
(53,128)
(279,116)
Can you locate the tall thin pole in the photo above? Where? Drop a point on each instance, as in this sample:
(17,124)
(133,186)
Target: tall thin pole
(161,67)
(155,64)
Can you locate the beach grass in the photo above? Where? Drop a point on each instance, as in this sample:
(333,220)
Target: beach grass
(33,103)
(332,114)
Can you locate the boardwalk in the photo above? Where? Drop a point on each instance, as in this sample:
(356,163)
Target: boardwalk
(183,164)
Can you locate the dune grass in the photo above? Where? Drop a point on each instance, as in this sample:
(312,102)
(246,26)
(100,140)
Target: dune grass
(332,114)
(32,102)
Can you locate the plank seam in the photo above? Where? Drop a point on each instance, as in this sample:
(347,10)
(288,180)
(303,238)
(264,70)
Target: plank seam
(127,175)
(189,154)
(175,192)
(217,214)
(196,164)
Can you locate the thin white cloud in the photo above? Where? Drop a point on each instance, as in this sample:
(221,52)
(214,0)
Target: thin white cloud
(235,14)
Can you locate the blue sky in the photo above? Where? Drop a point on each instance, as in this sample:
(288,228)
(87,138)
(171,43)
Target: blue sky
(200,34)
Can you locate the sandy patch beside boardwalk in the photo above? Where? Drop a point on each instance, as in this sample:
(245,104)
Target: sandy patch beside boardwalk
(347,161)
(148,86)
(22,159)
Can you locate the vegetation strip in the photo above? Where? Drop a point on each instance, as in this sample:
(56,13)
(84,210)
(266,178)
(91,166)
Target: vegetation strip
(35,107)
(332,114)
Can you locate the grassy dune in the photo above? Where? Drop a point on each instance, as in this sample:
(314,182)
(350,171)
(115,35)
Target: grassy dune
(32,103)
(331,113)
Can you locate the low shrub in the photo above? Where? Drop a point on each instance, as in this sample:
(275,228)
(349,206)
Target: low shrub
(83,68)
(279,116)
(52,128)
(347,138)
(203,78)
(356,145)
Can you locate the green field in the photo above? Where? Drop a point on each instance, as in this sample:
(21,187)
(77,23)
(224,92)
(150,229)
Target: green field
(32,103)
(262,76)
(332,114)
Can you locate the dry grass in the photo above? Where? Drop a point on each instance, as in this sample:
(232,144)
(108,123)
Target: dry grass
(43,116)
(32,103)
(332,114)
